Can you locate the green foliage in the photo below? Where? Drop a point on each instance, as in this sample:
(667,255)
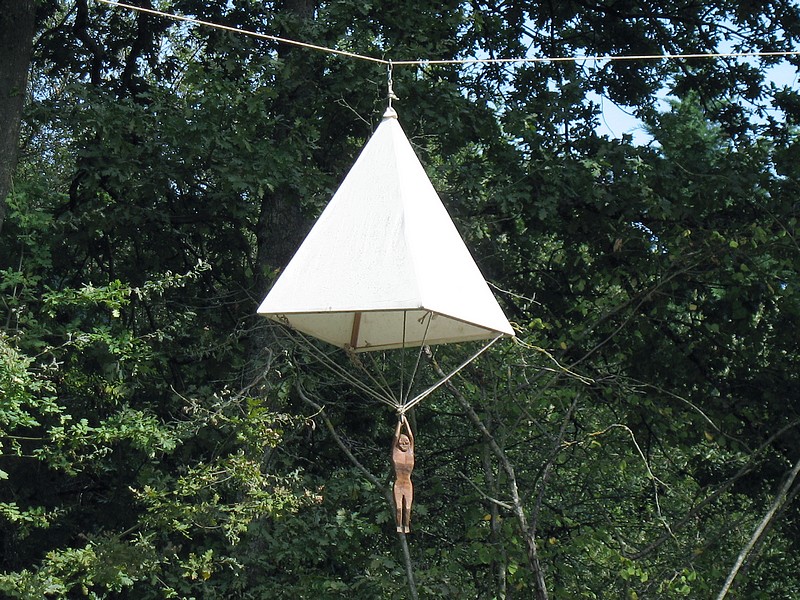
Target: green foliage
(153,443)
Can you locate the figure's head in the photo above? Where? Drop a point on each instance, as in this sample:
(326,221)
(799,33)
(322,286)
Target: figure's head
(403,442)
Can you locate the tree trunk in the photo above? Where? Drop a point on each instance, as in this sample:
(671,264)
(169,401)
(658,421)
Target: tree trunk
(17,22)
(281,225)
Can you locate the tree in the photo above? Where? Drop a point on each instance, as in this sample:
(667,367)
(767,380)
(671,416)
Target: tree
(158,440)
(16,40)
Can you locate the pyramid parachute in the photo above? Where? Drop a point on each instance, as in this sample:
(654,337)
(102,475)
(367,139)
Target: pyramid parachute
(384,266)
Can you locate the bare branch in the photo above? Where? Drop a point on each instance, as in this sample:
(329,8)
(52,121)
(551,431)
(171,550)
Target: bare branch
(484,495)
(336,438)
(763,527)
(650,473)
(540,589)
(387,492)
(687,518)
(557,444)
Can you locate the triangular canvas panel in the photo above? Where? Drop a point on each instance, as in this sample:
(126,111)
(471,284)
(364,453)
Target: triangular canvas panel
(384,266)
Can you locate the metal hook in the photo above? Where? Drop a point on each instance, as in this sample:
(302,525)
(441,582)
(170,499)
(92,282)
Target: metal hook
(391,94)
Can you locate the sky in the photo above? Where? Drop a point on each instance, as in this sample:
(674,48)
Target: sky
(618,120)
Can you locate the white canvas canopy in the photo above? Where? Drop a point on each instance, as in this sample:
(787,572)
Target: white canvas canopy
(384,266)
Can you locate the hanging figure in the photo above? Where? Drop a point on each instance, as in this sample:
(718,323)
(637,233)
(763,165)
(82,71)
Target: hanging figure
(403,459)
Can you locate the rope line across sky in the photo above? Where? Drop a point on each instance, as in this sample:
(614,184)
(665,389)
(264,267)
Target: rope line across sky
(461,61)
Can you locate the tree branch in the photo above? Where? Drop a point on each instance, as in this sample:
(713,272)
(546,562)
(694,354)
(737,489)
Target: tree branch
(484,495)
(339,442)
(540,589)
(762,528)
(387,493)
(548,467)
(689,516)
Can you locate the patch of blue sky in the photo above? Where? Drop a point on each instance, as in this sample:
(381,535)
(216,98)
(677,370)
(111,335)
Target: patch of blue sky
(617,120)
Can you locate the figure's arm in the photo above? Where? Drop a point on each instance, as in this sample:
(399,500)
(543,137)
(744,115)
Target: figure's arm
(399,426)
(408,429)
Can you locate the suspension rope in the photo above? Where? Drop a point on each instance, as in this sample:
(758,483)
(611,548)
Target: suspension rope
(405,313)
(454,61)
(376,367)
(255,34)
(382,395)
(595,58)
(404,397)
(421,396)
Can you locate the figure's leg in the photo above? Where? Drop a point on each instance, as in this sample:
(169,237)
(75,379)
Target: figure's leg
(405,516)
(409,496)
(398,503)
